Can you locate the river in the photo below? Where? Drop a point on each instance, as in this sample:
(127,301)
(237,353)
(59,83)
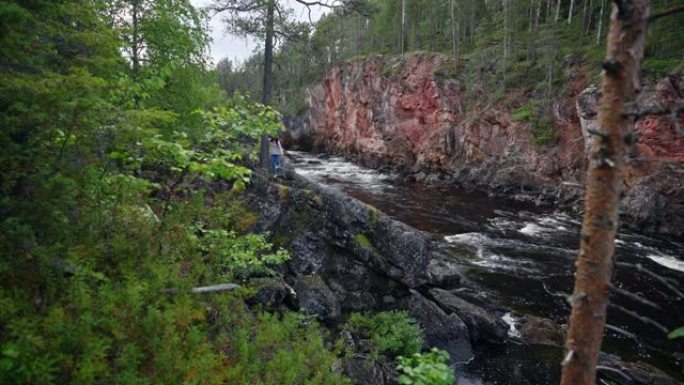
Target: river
(525,255)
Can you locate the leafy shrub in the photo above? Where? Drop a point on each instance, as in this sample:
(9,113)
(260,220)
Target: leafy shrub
(391,332)
(425,369)
(535,113)
(524,113)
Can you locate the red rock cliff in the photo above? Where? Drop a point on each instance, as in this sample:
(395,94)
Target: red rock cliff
(385,112)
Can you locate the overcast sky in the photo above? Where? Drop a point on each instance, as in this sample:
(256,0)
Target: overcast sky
(238,49)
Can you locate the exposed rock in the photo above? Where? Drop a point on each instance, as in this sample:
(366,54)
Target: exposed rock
(539,331)
(444,331)
(272,293)
(418,123)
(365,372)
(316,298)
(482,325)
(631,373)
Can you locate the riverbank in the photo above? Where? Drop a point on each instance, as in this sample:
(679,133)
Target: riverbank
(470,252)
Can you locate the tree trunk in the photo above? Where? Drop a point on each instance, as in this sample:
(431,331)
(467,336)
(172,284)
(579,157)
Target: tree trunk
(572,5)
(604,184)
(557,11)
(268,64)
(135,48)
(403,24)
(454,32)
(600,25)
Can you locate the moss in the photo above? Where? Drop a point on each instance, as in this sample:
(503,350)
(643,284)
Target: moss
(316,198)
(362,241)
(372,216)
(296,221)
(283,191)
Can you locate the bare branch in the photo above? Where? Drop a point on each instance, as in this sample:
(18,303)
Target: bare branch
(661,111)
(633,296)
(643,319)
(208,289)
(660,279)
(669,12)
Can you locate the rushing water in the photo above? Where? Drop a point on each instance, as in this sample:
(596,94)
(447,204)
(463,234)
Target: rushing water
(525,254)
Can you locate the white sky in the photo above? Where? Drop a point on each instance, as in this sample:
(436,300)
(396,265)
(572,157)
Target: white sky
(238,49)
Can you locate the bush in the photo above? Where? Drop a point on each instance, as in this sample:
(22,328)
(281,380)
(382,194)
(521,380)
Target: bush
(426,369)
(391,332)
(536,115)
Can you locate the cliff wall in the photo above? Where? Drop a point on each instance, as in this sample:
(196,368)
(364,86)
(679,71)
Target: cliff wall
(401,114)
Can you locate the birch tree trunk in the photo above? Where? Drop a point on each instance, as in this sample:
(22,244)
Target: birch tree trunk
(268,78)
(403,23)
(627,32)
(454,32)
(572,5)
(598,34)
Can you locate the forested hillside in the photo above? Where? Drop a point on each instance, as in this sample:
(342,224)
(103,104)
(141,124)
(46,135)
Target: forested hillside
(496,46)
(120,191)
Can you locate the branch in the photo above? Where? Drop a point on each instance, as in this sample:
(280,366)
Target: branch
(641,318)
(661,111)
(669,12)
(207,289)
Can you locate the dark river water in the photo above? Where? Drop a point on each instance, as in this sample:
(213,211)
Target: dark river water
(525,254)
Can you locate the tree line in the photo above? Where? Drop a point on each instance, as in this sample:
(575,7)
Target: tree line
(494,45)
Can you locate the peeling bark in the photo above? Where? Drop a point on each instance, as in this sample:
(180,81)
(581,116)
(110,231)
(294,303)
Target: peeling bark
(626,35)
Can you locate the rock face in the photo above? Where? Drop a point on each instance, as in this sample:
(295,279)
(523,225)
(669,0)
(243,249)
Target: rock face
(347,256)
(384,112)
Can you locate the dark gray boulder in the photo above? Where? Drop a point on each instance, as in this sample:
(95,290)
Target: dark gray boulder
(482,325)
(271,293)
(365,372)
(316,298)
(443,331)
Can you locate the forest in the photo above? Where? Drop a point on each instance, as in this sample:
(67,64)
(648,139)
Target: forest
(132,245)
(497,47)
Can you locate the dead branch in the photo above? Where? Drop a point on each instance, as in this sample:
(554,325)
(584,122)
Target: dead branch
(207,289)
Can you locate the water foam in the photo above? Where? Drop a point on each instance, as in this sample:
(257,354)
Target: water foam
(510,321)
(668,261)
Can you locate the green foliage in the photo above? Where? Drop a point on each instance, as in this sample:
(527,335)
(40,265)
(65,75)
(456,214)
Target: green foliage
(269,350)
(247,254)
(535,113)
(677,333)
(662,66)
(108,201)
(429,368)
(390,332)
(524,114)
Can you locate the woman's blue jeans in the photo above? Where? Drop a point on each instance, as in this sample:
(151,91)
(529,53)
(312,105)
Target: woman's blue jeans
(275,162)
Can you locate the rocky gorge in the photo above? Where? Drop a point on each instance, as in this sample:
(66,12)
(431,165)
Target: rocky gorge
(348,256)
(411,116)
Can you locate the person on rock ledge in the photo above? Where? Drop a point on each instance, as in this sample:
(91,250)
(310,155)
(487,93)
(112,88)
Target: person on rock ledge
(276,151)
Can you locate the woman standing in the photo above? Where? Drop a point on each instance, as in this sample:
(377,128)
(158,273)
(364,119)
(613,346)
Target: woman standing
(276,151)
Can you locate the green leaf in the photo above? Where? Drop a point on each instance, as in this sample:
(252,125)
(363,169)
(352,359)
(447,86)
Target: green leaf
(677,333)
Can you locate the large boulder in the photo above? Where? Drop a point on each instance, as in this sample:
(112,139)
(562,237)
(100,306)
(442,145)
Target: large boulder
(316,298)
(365,372)
(482,324)
(443,331)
